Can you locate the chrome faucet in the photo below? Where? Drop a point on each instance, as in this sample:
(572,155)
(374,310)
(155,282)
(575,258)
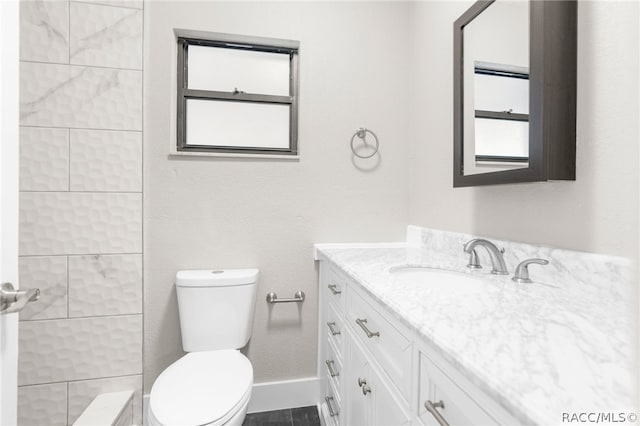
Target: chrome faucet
(497,261)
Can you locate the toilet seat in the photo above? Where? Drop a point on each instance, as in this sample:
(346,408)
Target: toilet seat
(202,388)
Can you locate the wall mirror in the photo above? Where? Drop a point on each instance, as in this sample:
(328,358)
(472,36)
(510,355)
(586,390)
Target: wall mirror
(514,92)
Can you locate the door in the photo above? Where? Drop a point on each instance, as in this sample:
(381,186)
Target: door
(9,34)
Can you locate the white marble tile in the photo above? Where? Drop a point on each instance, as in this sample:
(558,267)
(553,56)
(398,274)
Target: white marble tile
(81,394)
(79,349)
(44,159)
(44,31)
(80,97)
(105,160)
(53,223)
(49,274)
(136,4)
(42,405)
(105,36)
(105,285)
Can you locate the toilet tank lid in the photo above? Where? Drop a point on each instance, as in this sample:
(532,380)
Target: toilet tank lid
(216,277)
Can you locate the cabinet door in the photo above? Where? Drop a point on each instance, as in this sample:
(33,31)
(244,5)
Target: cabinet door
(457,407)
(386,408)
(369,399)
(357,402)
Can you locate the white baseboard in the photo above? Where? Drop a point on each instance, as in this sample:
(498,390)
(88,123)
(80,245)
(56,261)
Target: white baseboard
(271,396)
(284,394)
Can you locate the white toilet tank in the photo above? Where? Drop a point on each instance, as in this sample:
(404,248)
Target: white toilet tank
(216,308)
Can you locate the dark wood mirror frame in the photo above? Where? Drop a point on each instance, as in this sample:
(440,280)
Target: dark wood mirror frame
(552,96)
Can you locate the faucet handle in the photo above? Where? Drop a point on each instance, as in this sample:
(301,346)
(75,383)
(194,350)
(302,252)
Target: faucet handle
(473,260)
(521,274)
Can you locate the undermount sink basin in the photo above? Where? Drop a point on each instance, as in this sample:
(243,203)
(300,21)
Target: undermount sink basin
(440,279)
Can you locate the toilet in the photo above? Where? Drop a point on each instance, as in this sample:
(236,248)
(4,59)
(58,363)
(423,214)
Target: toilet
(210,385)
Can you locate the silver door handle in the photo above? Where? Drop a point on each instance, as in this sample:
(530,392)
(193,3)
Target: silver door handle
(12,300)
(432,407)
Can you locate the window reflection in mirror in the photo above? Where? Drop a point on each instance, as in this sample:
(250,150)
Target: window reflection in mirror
(496,88)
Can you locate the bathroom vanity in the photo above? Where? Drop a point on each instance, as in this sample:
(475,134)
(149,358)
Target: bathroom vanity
(409,336)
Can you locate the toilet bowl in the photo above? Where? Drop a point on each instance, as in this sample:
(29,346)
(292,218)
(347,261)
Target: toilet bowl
(210,385)
(202,388)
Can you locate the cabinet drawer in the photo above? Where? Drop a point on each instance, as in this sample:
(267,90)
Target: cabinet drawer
(331,404)
(333,366)
(334,328)
(335,286)
(388,345)
(458,407)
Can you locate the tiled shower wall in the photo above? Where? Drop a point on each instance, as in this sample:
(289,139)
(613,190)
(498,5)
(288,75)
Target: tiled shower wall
(80,205)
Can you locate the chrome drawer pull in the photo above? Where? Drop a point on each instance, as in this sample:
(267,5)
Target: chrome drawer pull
(432,407)
(333,288)
(370,334)
(331,329)
(330,367)
(328,400)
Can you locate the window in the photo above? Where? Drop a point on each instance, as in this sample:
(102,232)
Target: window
(236,95)
(501,113)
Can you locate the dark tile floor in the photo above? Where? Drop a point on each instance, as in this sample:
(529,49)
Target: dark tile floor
(303,416)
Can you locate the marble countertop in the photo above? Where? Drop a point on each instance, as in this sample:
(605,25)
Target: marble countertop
(539,350)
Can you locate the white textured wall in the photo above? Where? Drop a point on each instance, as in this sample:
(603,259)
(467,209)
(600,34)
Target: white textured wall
(80,206)
(599,211)
(227,213)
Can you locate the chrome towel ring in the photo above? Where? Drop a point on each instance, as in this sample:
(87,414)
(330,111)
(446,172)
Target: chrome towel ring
(362,134)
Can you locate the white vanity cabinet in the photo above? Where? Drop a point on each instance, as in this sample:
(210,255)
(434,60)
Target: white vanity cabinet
(375,370)
(365,361)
